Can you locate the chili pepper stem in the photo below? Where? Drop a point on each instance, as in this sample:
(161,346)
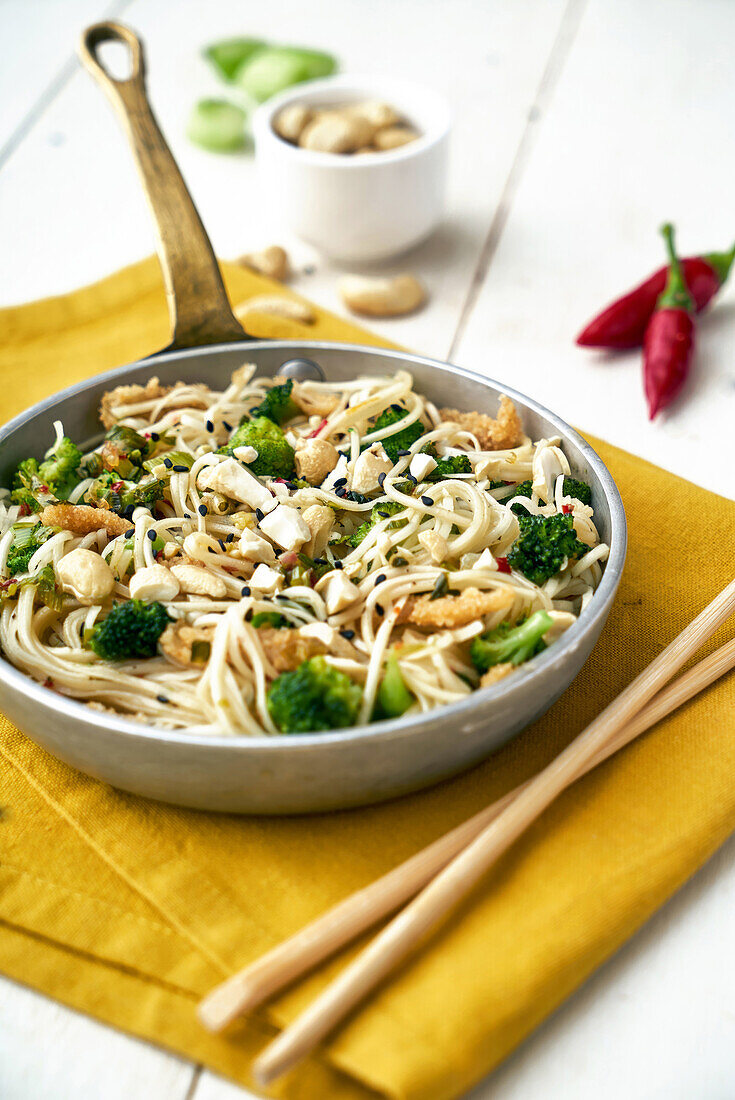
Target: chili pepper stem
(676,294)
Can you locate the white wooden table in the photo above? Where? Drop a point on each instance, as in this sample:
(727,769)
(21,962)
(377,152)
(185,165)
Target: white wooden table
(581,125)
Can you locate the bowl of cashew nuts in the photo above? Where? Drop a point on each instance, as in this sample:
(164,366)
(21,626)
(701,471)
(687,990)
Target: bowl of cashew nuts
(356,166)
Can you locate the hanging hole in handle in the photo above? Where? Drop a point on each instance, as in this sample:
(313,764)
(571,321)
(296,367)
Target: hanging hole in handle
(114,50)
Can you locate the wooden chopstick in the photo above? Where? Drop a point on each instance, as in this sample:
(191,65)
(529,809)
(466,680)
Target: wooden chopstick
(341,924)
(455,880)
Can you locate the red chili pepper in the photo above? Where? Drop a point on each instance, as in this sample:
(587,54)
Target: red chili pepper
(669,341)
(503,566)
(567,509)
(623,323)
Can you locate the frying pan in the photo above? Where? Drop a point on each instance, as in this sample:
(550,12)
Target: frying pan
(309,772)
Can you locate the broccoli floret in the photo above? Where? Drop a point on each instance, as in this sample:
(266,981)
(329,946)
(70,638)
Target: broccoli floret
(131,630)
(512,644)
(57,474)
(59,468)
(316,696)
(394,698)
(402,440)
(381,510)
(26,540)
(277,405)
(269,618)
(580,490)
(543,544)
(25,482)
(450,467)
(275,453)
(523,490)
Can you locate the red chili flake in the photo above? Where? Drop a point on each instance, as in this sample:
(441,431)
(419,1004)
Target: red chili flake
(315,433)
(48,683)
(45,489)
(24,510)
(503,566)
(566,509)
(118,486)
(159,555)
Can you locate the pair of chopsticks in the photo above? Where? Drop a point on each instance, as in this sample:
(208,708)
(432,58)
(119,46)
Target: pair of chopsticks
(441,875)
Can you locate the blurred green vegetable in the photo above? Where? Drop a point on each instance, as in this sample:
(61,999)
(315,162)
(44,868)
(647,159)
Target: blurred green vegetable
(217,125)
(271,70)
(229,55)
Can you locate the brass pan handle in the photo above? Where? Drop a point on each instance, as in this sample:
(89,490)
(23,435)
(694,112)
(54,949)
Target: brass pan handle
(198,306)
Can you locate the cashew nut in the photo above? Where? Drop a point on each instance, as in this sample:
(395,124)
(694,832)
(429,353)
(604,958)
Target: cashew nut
(393,137)
(86,575)
(336,132)
(381,296)
(377,114)
(155,582)
(290,122)
(315,460)
(275,306)
(197,581)
(320,520)
(271,261)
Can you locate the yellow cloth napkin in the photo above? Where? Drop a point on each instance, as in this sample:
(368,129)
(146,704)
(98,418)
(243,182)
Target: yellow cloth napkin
(131,911)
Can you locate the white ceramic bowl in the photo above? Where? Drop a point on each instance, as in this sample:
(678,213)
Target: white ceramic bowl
(366,207)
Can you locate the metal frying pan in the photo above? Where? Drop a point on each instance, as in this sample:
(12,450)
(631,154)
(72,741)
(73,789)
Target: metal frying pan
(293,773)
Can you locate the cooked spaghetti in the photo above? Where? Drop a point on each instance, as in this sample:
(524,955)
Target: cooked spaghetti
(282,557)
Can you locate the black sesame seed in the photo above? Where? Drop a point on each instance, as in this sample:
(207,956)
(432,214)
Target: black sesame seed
(427,501)
(155,437)
(341,492)
(211,550)
(152,535)
(248,614)
(399,561)
(210,426)
(380,578)
(130,534)
(381,479)
(245,590)
(129,509)
(259,515)
(230,538)
(162,698)
(222,544)
(340,481)
(202,509)
(402,454)
(358,498)
(396,407)
(320,561)
(181,469)
(379,609)
(412,479)
(348,634)
(187,515)
(384,515)
(338,565)
(167,463)
(344,454)
(280,597)
(291,485)
(226,426)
